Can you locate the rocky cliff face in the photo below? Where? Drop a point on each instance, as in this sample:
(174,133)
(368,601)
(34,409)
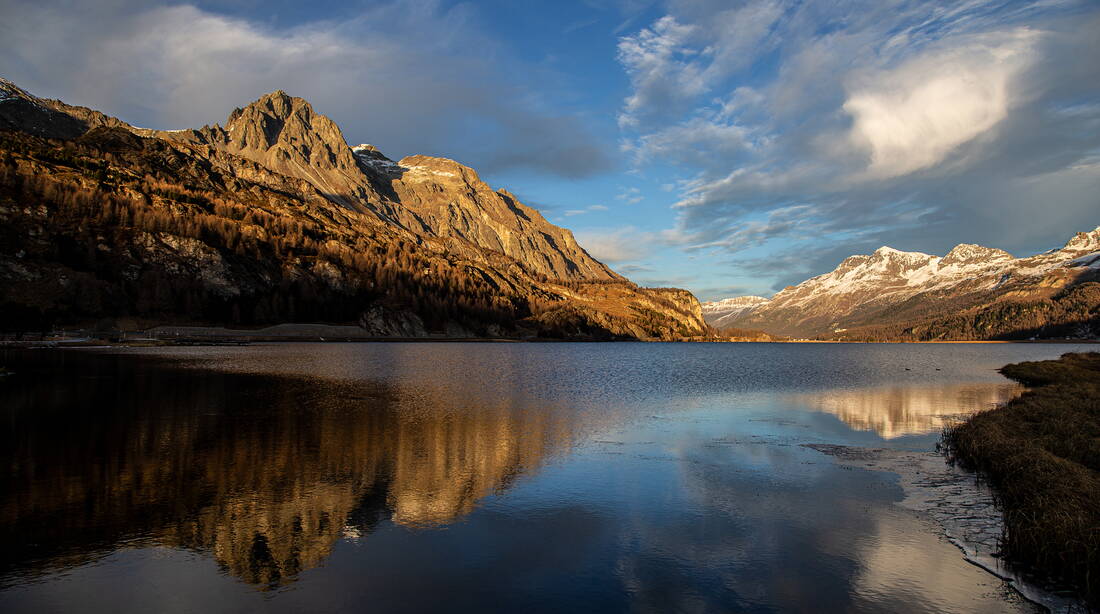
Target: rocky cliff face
(26,113)
(428,196)
(444,198)
(891,287)
(274,218)
(285,135)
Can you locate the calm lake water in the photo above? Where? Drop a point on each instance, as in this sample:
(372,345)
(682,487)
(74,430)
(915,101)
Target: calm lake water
(403,477)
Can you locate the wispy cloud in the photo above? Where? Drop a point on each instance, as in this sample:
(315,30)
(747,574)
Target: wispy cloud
(579,25)
(590,208)
(630,196)
(635,269)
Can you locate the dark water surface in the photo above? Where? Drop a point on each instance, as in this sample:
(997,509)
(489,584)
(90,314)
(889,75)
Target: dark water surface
(482,477)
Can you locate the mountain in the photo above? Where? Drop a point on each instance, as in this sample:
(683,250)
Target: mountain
(720,313)
(274,218)
(973,292)
(431,197)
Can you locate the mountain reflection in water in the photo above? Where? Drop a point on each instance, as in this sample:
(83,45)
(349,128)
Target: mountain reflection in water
(480,477)
(899,411)
(265,473)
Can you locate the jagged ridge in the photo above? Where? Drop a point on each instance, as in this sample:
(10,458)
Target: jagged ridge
(274,218)
(891,287)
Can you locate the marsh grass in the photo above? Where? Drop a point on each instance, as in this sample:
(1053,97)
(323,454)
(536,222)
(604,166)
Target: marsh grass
(1041,454)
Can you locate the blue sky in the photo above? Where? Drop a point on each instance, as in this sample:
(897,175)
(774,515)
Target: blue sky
(725,147)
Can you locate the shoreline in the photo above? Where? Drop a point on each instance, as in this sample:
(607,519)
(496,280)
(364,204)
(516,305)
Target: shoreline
(960,505)
(327,333)
(1038,453)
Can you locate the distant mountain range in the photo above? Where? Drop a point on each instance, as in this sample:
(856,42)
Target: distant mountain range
(274,218)
(722,313)
(973,292)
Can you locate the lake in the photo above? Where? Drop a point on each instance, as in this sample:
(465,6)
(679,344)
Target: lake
(403,477)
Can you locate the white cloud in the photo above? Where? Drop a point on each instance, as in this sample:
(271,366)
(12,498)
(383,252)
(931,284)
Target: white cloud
(658,61)
(671,62)
(573,212)
(912,117)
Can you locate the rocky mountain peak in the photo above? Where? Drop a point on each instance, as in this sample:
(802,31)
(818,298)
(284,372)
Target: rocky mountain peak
(11,91)
(428,196)
(376,161)
(891,254)
(884,261)
(969,253)
(285,134)
(852,262)
(893,287)
(290,125)
(21,110)
(735,301)
(1084,242)
(368,150)
(720,313)
(439,169)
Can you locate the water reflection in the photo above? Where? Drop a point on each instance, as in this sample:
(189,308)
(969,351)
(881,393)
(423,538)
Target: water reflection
(898,411)
(503,477)
(263,473)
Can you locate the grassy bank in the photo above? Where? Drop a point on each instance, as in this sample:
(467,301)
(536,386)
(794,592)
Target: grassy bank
(1041,454)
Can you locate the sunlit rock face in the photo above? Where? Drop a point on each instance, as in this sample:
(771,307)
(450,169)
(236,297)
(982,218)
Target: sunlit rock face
(429,196)
(267,490)
(444,198)
(898,411)
(276,219)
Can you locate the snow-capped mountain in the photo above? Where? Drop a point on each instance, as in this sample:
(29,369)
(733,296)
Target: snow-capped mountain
(717,313)
(891,286)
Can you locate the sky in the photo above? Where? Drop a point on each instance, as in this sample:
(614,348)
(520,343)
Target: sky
(725,147)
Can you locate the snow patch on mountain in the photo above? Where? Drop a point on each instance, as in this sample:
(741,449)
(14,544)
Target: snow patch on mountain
(716,313)
(889,276)
(376,161)
(1091,261)
(1084,242)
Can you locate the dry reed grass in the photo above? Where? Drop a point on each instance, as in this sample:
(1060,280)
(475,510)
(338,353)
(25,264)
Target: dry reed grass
(1041,454)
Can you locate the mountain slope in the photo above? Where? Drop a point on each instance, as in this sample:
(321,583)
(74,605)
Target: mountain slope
(721,314)
(427,196)
(892,293)
(275,219)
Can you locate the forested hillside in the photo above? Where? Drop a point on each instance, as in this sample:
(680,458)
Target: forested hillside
(111,224)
